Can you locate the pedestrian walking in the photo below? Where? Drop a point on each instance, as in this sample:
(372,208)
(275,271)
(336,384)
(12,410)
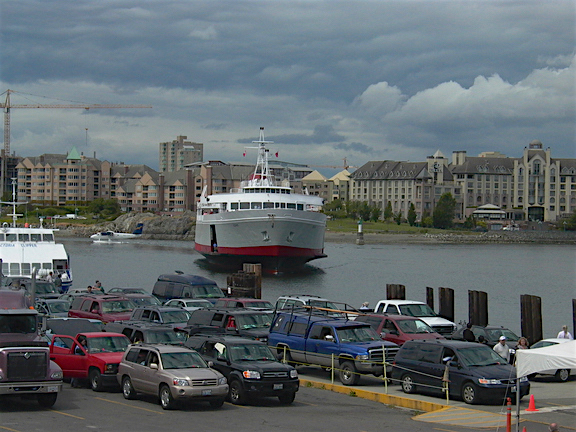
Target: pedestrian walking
(564,334)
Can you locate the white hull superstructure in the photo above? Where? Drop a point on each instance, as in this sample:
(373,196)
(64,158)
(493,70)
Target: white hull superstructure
(23,249)
(261,222)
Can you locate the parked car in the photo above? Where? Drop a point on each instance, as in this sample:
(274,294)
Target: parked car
(561,375)
(491,335)
(179,285)
(52,308)
(251,368)
(44,289)
(147,332)
(189,304)
(419,310)
(243,302)
(92,355)
(138,296)
(399,328)
(175,317)
(172,373)
(244,322)
(475,372)
(103,307)
(300,301)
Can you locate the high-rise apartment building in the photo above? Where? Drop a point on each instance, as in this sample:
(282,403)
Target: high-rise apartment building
(175,155)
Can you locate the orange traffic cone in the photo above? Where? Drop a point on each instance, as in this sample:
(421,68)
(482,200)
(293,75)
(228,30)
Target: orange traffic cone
(531,405)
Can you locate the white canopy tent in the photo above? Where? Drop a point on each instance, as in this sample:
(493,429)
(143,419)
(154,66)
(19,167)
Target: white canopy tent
(559,356)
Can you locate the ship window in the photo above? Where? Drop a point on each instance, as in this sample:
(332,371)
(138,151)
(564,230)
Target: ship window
(268,190)
(2,237)
(291,206)
(14,268)
(300,207)
(49,237)
(24,237)
(244,205)
(233,206)
(256,205)
(268,205)
(26,269)
(282,205)
(11,237)
(37,265)
(35,237)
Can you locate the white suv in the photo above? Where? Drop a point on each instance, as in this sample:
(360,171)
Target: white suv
(298,301)
(417,309)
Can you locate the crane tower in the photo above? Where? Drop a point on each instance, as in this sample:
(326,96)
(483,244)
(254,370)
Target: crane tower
(7,106)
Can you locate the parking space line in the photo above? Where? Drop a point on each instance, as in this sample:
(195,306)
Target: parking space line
(8,429)
(238,406)
(66,414)
(131,406)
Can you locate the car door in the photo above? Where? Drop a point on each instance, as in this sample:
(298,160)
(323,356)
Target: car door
(72,358)
(427,366)
(321,345)
(392,332)
(139,371)
(436,368)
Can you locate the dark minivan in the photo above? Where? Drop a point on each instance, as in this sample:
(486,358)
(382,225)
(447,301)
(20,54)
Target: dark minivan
(178,285)
(475,372)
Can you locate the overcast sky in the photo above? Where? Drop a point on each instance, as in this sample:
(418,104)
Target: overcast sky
(328,79)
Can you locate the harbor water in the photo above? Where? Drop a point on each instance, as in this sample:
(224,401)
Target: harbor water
(354,274)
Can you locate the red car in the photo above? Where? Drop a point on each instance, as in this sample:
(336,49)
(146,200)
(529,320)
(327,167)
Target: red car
(105,308)
(399,328)
(94,355)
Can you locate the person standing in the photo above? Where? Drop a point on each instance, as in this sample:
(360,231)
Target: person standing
(522,343)
(467,334)
(502,349)
(58,282)
(564,334)
(50,277)
(98,286)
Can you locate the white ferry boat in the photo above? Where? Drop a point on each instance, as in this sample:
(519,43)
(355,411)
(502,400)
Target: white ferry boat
(261,222)
(23,249)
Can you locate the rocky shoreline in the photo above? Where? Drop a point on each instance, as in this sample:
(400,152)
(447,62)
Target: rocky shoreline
(182,228)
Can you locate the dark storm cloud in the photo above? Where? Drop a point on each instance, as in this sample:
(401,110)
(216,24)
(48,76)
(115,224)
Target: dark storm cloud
(356,78)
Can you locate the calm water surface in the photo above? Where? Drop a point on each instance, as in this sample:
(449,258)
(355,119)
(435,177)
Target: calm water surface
(354,274)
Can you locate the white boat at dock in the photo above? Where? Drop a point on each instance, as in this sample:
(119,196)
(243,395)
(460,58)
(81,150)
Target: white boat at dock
(117,236)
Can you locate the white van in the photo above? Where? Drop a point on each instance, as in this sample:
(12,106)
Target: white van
(417,309)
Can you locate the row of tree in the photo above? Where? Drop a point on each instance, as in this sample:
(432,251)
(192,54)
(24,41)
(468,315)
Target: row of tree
(442,216)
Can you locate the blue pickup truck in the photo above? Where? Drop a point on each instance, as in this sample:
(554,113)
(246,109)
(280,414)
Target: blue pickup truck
(352,348)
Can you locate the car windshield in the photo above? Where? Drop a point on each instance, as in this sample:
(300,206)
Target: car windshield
(479,356)
(46,288)
(417,310)
(167,336)
(251,321)
(173,317)
(494,334)
(198,303)
(117,306)
(182,360)
(357,334)
(207,291)
(17,323)
(59,306)
(414,326)
(145,300)
(107,344)
(260,304)
(251,352)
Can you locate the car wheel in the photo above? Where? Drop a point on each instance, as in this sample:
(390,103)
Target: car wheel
(217,403)
(127,389)
(469,393)
(166,399)
(562,375)
(236,394)
(287,398)
(95,380)
(348,375)
(47,400)
(408,385)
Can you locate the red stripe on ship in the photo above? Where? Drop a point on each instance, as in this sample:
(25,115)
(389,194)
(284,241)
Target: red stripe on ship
(269,251)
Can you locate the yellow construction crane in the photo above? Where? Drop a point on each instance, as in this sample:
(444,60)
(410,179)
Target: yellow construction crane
(7,106)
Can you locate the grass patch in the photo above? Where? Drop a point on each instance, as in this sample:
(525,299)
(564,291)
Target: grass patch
(352,393)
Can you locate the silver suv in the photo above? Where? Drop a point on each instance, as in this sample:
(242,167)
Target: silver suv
(173,373)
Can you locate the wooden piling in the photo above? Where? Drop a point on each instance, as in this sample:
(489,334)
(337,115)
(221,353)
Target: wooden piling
(246,283)
(478,308)
(395,292)
(430,297)
(531,317)
(446,303)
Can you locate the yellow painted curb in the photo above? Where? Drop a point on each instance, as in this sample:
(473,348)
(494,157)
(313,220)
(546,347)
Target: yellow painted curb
(375,396)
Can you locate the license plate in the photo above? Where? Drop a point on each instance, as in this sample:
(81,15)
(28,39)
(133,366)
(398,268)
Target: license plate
(278,386)
(513,389)
(52,389)
(206,392)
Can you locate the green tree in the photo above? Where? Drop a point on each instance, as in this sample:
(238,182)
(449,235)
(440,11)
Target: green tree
(569,224)
(388,213)
(335,209)
(375,213)
(365,211)
(412,215)
(398,218)
(443,215)
(106,208)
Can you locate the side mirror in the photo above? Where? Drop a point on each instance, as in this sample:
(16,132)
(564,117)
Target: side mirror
(329,338)
(154,366)
(210,364)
